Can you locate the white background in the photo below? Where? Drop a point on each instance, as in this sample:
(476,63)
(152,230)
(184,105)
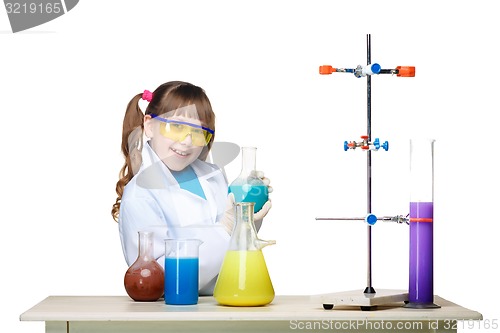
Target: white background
(64,87)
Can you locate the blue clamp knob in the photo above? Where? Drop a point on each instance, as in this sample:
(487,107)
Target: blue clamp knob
(376,68)
(376,144)
(371,219)
(346,146)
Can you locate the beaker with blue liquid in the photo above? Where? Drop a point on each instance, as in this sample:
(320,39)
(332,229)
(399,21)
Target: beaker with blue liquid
(248,187)
(182,271)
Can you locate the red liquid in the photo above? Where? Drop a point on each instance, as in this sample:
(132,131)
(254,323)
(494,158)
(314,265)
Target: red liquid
(144,281)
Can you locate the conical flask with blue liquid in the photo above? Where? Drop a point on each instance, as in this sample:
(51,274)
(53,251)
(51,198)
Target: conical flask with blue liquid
(248,187)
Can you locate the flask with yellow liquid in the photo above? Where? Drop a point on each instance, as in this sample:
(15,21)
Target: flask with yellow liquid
(243,278)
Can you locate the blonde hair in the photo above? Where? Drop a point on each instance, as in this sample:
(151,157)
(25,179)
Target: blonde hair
(167,97)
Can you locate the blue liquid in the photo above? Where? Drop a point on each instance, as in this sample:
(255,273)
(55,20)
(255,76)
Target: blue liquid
(181,281)
(250,193)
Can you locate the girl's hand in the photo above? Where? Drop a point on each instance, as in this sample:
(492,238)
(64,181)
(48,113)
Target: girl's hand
(259,216)
(229,215)
(265,180)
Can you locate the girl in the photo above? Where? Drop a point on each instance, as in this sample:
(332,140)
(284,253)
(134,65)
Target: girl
(166,186)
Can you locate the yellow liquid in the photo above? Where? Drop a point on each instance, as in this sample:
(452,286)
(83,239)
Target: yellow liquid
(244,280)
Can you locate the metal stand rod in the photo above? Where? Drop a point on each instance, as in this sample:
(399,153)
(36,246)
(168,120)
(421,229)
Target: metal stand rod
(398,219)
(369,289)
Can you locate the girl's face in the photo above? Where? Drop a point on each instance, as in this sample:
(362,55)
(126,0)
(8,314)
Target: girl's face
(177,154)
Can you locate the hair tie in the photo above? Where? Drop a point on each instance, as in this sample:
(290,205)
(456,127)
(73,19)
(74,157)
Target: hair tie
(147,95)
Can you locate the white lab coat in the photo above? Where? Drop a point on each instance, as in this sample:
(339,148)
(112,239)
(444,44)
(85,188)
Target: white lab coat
(154,201)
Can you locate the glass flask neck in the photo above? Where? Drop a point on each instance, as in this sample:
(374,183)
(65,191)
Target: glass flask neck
(244,213)
(146,245)
(244,237)
(249,155)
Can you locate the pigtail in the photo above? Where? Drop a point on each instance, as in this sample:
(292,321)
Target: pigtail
(133,127)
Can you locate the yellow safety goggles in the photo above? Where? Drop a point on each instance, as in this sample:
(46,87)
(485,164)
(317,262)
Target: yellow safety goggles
(178,131)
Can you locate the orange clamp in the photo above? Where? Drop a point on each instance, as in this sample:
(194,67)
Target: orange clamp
(421,219)
(326,69)
(406,71)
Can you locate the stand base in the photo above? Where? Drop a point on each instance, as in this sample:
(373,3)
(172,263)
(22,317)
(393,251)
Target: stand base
(413,305)
(366,301)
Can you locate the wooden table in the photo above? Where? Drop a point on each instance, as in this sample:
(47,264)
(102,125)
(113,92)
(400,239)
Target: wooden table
(79,314)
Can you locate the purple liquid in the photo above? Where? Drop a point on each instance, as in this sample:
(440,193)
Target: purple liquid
(421,288)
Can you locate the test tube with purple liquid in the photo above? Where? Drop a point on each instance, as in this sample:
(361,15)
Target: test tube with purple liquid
(421,283)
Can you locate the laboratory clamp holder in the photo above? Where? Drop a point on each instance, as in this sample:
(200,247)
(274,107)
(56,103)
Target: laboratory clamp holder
(420,291)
